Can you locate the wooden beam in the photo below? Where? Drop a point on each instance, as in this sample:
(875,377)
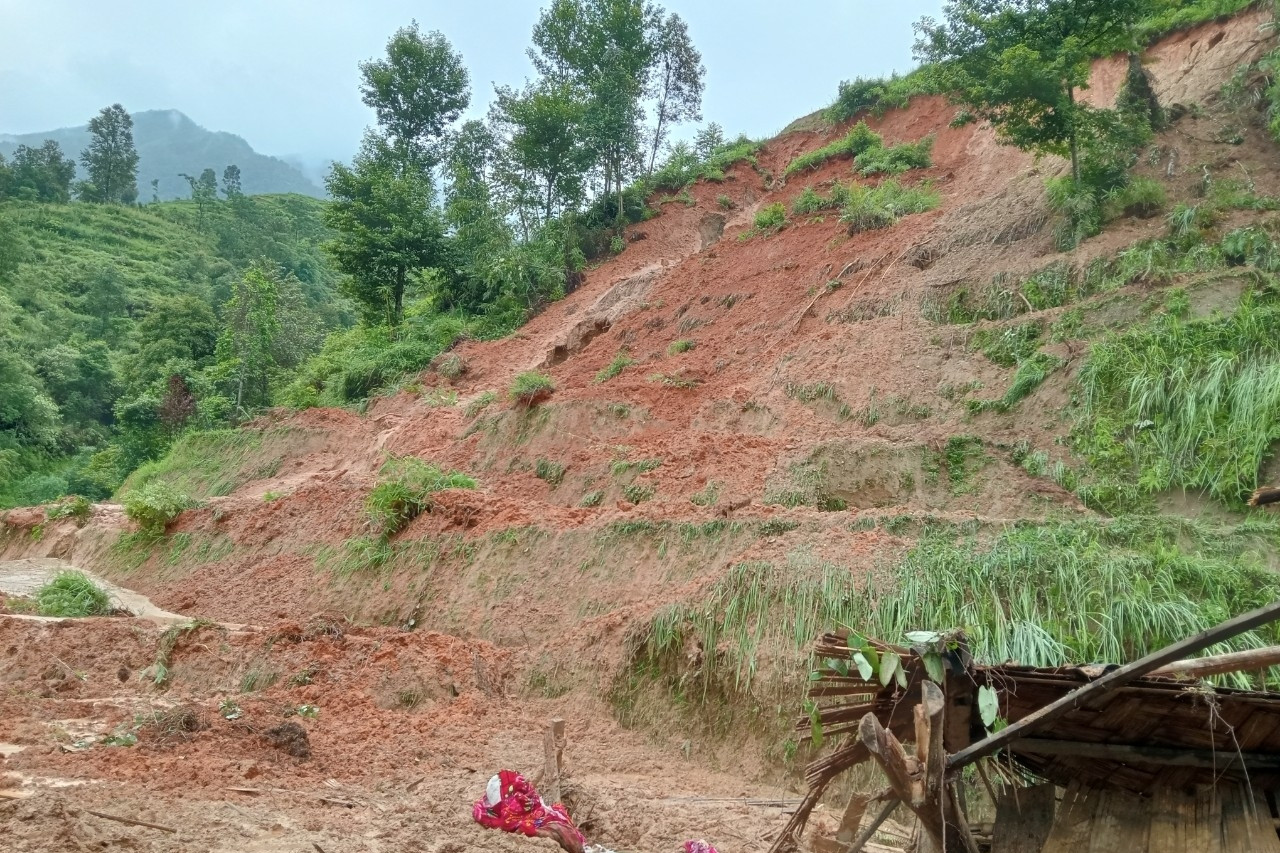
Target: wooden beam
(1218,664)
(553,743)
(1143,666)
(867,834)
(1139,754)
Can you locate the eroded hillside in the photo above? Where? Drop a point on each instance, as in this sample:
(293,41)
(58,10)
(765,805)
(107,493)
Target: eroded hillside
(751,435)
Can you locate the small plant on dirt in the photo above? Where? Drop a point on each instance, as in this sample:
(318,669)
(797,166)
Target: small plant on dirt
(272,496)
(769,220)
(776,527)
(71,594)
(73,507)
(680,346)
(708,496)
(620,362)
(304,676)
(154,506)
(616,245)
(480,403)
(725,202)
(309,712)
(591,499)
(258,678)
(882,206)
(230,710)
(168,642)
(551,472)
(404,492)
(672,381)
(531,388)
(638,493)
(451,367)
(896,159)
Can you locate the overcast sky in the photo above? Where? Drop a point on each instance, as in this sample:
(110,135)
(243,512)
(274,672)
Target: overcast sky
(282,73)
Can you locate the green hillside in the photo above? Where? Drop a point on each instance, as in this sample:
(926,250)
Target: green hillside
(169,144)
(100,305)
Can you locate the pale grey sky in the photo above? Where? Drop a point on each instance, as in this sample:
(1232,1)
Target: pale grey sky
(282,73)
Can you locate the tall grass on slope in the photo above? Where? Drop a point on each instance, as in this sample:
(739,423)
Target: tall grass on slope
(72,594)
(1042,595)
(1190,403)
(404,491)
(883,205)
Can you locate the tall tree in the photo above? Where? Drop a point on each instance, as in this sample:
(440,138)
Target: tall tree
(677,81)
(417,90)
(604,50)
(204,192)
(231,182)
(42,174)
(546,158)
(1019,64)
(708,140)
(250,346)
(387,227)
(111,159)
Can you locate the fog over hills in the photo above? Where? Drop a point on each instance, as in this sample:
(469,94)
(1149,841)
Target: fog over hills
(169,143)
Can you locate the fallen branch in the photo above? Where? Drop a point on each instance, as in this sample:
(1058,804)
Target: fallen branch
(131,821)
(1219,664)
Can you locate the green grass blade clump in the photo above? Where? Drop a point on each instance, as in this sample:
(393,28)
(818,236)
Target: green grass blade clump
(531,387)
(404,491)
(860,138)
(869,208)
(154,506)
(71,594)
(896,159)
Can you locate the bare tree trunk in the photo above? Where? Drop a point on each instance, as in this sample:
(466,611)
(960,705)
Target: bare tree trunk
(1075,146)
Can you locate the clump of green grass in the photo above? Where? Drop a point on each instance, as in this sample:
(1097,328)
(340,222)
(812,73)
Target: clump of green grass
(708,495)
(882,206)
(776,527)
(1010,345)
(591,499)
(451,367)
(639,492)
(1142,197)
(480,403)
(680,346)
(859,139)
(1189,403)
(551,472)
(895,159)
(531,387)
(154,506)
(72,507)
(809,201)
(71,594)
(620,362)
(404,491)
(878,95)
(769,219)
(1031,372)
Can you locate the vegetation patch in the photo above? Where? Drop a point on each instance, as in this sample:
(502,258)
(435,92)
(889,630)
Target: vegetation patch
(153,506)
(404,491)
(72,594)
(859,139)
(620,362)
(680,346)
(869,208)
(531,387)
(74,507)
(551,472)
(895,159)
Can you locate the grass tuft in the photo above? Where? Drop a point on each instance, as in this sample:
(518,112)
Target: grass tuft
(154,506)
(882,206)
(531,388)
(404,492)
(71,594)
(620,362)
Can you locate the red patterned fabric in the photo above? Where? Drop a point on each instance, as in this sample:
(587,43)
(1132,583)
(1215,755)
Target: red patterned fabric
(698,847)
(519,808)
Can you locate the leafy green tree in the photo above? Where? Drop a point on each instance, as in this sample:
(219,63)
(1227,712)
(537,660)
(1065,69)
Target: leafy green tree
(247,342)
(111,160)
(27,415)
(204,192)
(42,174)
(387,228)
(604,50)
(155,190)
(79,378)
(418,90)
(708,141)
(678,81)
(6,178)
(1019,64)
(546,159)
(231,183)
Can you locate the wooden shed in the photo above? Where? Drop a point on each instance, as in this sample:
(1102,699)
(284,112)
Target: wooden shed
(1133,758)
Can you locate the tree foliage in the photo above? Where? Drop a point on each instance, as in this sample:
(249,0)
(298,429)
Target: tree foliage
(38,174)
(677,81)
(111,160)
(1020,65)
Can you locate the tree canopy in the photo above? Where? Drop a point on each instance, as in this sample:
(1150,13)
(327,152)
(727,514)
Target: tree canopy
(111,160)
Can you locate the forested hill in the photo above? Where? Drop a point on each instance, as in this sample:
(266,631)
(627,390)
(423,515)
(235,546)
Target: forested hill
(169,144)
(100,305)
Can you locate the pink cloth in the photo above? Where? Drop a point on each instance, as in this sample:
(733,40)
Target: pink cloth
(698,847)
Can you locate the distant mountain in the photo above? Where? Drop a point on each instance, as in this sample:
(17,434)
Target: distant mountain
(169,143)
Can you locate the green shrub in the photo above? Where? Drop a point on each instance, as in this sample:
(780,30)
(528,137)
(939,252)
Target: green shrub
(896,159)
(1143,197)
(882,206)
(682,345)
(531,387)
(725,202)
(708,496)
(591,499)
(480,403)
(858,140)
(551,472)
(404,491)
(1008,346)
(71,594)
(879,95)
(452,367)
(73,507)
(639,492)
(620,362)
(154,505)
(771,217)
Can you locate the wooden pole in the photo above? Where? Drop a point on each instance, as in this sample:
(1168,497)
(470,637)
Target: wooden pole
(1144,666)
(868,833)
(1218,664)
(1223,759)
(553,743)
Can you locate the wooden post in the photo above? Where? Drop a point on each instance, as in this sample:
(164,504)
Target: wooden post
(867,834)
(852,818)
(553,743)
(1144,666)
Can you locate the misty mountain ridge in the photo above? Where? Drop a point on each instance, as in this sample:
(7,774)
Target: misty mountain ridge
(169,143)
